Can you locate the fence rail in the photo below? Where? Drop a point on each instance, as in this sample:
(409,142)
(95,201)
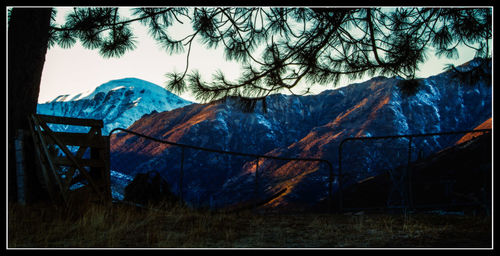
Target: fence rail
(256,156)
(331,175)
(410,138)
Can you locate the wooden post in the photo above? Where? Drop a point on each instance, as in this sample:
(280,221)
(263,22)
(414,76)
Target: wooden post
(107,169)
(408,179)
(340,177)
(181,176)
(330,187)
(256,195)
(20,177)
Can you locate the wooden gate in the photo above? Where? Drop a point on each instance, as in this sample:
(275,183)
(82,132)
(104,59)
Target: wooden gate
(72,177)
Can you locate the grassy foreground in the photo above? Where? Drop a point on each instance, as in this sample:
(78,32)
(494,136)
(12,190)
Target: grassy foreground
(125,226)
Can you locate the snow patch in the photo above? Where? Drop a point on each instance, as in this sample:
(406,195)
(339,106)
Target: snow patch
(116,109)
(117,88)
(137,100)
(263,121)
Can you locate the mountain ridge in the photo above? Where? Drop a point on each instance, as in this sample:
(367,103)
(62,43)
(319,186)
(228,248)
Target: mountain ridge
(118,103)
(307,126)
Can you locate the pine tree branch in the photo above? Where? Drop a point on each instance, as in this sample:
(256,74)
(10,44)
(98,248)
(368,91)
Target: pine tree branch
(118,23)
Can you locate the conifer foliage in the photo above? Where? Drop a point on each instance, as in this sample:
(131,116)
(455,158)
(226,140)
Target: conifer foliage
(280,48)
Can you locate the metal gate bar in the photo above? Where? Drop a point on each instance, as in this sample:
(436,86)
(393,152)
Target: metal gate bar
(256,156)
(410,138)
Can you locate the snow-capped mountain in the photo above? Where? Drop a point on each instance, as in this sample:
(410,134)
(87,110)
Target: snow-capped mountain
(300,126)
(118,103)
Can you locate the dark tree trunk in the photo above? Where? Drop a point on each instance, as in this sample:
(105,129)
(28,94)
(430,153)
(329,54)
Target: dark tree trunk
(28,32)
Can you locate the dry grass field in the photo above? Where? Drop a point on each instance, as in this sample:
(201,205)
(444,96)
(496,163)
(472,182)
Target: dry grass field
(123,226)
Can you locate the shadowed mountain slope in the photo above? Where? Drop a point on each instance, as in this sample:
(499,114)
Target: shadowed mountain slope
(300,126)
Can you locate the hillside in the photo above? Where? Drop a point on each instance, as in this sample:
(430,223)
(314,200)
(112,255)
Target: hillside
(300,126)
(456,178)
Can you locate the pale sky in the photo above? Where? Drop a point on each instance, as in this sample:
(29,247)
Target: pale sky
(76,70)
